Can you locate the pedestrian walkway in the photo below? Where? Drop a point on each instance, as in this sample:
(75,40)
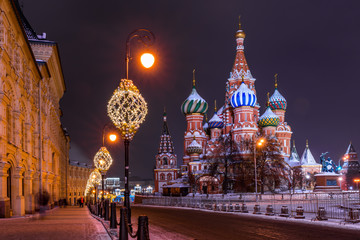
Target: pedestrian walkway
(61,223)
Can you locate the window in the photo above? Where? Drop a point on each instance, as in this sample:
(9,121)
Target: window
(23,184)
(23,134)
(8,123)
(162,176)
(169,176)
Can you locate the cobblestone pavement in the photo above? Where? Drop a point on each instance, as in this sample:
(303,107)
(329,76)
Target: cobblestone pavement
(61,223)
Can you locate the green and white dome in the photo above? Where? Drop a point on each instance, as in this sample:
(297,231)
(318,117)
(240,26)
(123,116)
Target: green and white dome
(194,104)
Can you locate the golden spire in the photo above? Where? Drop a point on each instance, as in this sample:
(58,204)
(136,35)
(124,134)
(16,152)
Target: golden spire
(294,143)
(194,77)
(215,106)
(242,78)
(276,80)
(206,119)
(268,99)
(307,143)
(239,33)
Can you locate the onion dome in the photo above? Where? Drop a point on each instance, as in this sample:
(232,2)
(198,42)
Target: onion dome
(194,103)
(216,122)
(243,96)
(277,101)
(268,119)
(194,147)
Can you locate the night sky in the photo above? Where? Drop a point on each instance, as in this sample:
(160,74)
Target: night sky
(312,45)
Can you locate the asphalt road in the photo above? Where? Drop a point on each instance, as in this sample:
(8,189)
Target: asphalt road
(195,224)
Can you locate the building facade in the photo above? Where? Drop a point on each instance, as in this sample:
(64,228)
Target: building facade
(34,146)
(78,175)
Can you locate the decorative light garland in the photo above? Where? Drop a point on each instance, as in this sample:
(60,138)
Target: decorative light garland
(103,160)
(127,109)
(95,177)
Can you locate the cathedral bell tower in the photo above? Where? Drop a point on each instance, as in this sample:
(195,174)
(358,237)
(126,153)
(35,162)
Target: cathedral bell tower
(194,108)
(166,160)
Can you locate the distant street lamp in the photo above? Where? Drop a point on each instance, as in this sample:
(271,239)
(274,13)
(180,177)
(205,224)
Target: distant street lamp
(95,178)
(259,143)
(102,162)
(357,180)
(340,179)
(127,108)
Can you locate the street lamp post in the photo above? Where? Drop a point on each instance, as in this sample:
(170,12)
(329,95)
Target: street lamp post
(127,108)
(256,143)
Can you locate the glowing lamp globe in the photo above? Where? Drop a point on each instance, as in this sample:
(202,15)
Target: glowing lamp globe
(147,60)
(102,160)
(112,137)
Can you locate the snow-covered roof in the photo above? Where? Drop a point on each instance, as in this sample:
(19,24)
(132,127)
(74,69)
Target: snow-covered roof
(307,158)
(294,159)
(215,118)
(350,149)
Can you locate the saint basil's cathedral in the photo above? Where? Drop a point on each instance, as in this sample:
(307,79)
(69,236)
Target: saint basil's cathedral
(239,118)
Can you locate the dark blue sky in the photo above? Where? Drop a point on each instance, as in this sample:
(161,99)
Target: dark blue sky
(312,45)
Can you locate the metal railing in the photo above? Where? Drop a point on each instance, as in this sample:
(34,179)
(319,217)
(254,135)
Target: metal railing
(344,206)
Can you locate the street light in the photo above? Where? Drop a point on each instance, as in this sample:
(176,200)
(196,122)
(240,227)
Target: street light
(127,108)
(102,162)
(147,60)
(95,178)
(340,179)
(258,143)
(357,180)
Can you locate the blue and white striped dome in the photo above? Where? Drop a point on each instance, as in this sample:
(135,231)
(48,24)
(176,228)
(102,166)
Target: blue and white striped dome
(216,122)
(243,97)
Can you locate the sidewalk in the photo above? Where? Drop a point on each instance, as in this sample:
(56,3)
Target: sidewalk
(61,223)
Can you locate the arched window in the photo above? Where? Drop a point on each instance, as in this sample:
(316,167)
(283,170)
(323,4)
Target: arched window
(169,176)
(53,162)
(8,123)
(165,161)
(162,176)
(8,185)
(23,134)
(23,184)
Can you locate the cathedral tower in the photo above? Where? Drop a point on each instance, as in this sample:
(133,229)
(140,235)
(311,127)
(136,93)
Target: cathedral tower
(194,108)
(166,160)
(239,74)
(278,105)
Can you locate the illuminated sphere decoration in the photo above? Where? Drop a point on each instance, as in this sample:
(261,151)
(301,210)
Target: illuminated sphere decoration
(127,109)
(147,60)
(95,177)
(103,160)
